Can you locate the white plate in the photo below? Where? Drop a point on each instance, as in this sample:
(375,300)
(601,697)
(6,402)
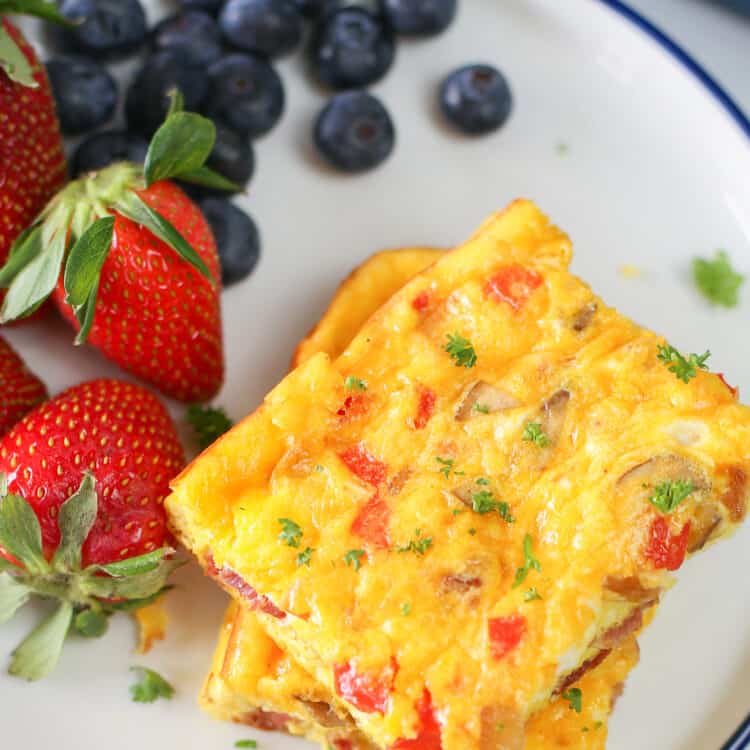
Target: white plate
(656,172)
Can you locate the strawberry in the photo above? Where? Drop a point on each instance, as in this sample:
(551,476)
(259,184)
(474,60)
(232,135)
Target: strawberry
(131,262)
(32,162)
(21,389)
(82,482)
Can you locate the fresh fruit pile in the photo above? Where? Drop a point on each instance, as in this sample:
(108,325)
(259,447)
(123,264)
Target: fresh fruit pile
(220,53)
(82,522)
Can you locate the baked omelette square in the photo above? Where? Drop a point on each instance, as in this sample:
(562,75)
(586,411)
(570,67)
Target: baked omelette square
(477,500)
(253,681)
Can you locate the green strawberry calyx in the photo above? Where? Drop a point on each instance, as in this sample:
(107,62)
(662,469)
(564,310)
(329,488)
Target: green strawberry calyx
(73,233)
(86,597)
(12,59)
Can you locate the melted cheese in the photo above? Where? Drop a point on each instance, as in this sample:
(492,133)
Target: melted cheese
(584,521)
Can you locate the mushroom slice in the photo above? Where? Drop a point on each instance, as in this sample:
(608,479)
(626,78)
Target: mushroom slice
(322,713)
(640,480)
(489,398)
(736,495)
(502,728)
(551,419)
(703,522)
(582,319)
(631,588)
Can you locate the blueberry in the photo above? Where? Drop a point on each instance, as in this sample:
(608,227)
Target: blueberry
(354,132)
(237,238)
(268,27)
(85,93)
(105,148)
(351,48)
(147,103)
(419,17)
(245,94)
(195,33)
(106,28)
(232,156)
(476,99)
(310,8)
(206,6)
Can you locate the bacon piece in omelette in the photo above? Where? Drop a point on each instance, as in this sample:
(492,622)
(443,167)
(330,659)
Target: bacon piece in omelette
(547,533)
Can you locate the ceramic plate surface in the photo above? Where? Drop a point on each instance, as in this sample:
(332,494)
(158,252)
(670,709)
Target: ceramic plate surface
(626,149)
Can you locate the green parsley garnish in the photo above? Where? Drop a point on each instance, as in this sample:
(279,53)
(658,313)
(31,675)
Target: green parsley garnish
(574,696)
(481,408)
(419,545)
(670,493)
(446,466)
(598,724)
(246,743)
(150,687)
(458,511)
(584,729)
(319,468)
(717,280)
(461,351)
(472,531)
(531,595)
(291,533)
(484,501)
(354,557)
(533,433)
(208,424)
(355,384)
(406,609)
(529,561)
(304,557)
(684,368)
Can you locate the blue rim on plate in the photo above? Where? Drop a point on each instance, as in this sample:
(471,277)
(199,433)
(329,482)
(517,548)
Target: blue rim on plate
(740,740)
(688,61)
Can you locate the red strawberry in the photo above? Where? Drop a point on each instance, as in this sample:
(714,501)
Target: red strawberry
(123,436)
(32,162)
(156,316)
(82,482)
(21,390)
(141,272)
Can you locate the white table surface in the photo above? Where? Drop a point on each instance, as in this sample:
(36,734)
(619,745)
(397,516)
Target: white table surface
(717,37)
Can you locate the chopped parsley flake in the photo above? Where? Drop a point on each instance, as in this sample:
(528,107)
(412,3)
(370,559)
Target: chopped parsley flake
(319,468)
(499,726)
(150,687)
(670,493)
(355,384)
(529,562)
(484,501)
(446,466)
(458,511)
(533,433)
(472,531)
(304,557)
(246,743)
(419,545)
(461,351)
(574,696)
(684,368)
(291,533)
(354,557)
(208,424)
(406,609)
(481,408)
(584,729)
(531,595)
(598,724)
(717,280)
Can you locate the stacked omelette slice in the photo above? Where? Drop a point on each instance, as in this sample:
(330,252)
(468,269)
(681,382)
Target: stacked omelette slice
(449,536)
